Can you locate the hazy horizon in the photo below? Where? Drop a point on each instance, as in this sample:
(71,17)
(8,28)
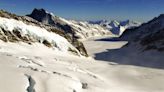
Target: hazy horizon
(138,10)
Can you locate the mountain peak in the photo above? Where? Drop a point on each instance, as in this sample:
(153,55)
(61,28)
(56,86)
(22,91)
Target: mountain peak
(41,15)
(41,9)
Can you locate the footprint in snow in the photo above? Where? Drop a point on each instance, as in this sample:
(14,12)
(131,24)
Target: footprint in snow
(6,54)
(24,58)
(29,60)
(37,57)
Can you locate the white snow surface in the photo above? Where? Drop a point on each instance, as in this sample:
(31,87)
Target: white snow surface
(86,30)
(41,69)
(36,33)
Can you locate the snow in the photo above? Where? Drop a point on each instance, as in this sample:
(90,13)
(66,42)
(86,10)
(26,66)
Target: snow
(140,77)
(85,30)
(81,29)
(54,74)
(35,32)
(42,69)
(117,27)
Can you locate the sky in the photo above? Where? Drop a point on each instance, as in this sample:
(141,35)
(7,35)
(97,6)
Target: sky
(138,10)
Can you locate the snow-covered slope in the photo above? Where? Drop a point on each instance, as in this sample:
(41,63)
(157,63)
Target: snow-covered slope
(86,30)
(37,68)
(17,36)
(78,29)
(117,27)
(13,30)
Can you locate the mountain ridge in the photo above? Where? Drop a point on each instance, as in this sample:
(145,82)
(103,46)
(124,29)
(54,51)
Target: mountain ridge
(16,36)
(117,27)
(79,29)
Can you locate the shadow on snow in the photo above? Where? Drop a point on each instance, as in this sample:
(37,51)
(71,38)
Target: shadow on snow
(132,56)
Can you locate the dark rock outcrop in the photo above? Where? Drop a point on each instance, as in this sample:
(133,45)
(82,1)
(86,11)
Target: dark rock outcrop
(44,17)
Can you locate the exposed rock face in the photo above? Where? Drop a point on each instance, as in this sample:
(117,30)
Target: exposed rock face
(16,36)
(42,16)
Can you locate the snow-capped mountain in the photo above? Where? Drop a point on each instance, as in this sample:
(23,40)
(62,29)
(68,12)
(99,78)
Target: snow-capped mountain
(15,28)
(78,29)
(117,27)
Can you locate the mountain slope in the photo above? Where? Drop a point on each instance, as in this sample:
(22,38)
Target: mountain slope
(147,33)
(27,25)
(81,30)
(15,28)
(152,26)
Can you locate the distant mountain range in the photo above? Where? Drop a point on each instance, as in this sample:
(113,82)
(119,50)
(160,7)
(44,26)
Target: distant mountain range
(117,27)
